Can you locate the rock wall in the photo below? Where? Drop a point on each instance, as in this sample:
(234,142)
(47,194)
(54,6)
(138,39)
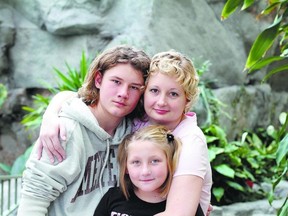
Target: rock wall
(36,36)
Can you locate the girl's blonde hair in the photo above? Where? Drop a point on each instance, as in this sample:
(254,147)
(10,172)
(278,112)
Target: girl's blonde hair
(175,64)
(164,139)
(121,54)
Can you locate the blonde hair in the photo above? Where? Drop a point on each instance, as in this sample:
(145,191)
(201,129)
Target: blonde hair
(163,138)
(175,64)
(122,54)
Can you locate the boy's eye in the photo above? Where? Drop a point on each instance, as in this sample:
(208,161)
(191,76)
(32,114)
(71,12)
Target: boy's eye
(137,88)
(116,81)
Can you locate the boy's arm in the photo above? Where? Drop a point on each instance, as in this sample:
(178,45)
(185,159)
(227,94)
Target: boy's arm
(51,128)
(43,182)
(32,206)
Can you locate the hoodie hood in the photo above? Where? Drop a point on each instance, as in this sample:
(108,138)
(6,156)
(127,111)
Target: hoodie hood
(77,110)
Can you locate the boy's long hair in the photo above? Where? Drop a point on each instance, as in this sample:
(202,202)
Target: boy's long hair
(161,137)
(122,54)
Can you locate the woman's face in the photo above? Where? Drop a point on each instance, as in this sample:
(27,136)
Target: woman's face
(164,100)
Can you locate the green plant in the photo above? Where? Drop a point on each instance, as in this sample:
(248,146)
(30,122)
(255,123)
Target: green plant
(277,31)
(238,165)
(3,94)
(211,104)
(257,59)
(281,137)
(32,120)
(71,80)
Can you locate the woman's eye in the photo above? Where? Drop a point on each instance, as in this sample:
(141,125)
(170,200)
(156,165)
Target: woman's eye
(154,90)
(174,94)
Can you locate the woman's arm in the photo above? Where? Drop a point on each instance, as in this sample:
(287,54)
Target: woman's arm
(51,128)
(184,196)
(192,178)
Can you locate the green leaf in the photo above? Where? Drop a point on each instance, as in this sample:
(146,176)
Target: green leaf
(218,192)
(254,163)
(247,3)
(243,137)
(274,71)
(211,139)
(216,150)
(279,177)
(248,174)
(83,67)
(236,160)
(211,155)
(283,211)
(5,167)
(282,150)
(18,165)
(230,148)
(264,62)
(220,133)
(229,8)
(225,170)
(283,118)
(270,8)
(3,94)
(213,152)
(28,152)
(262,43)
(236,186)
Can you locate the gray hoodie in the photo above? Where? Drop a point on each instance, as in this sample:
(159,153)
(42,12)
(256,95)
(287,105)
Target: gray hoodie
(76,185)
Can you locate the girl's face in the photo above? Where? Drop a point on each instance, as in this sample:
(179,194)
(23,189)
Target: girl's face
(147,168)
(164,100)
(120,90)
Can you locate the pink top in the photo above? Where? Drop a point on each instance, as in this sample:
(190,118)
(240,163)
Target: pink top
(194,158)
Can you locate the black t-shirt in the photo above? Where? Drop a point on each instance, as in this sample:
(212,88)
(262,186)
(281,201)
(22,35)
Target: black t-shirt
(114,203)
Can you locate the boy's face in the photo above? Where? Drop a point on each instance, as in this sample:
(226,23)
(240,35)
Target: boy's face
(164,100)
(120,90)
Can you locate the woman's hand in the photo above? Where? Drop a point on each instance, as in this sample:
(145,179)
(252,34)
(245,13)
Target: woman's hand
(210,209)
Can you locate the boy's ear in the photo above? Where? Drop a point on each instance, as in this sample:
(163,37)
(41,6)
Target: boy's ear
(98,79)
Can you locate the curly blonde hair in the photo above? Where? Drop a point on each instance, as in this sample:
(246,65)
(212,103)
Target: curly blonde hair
(175,64)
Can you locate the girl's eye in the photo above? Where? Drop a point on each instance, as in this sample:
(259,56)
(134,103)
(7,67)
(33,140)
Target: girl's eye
(136,162)
(155,161)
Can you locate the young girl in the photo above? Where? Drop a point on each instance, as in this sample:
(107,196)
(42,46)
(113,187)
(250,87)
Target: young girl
(171,90)
(147,160)
(111,91)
